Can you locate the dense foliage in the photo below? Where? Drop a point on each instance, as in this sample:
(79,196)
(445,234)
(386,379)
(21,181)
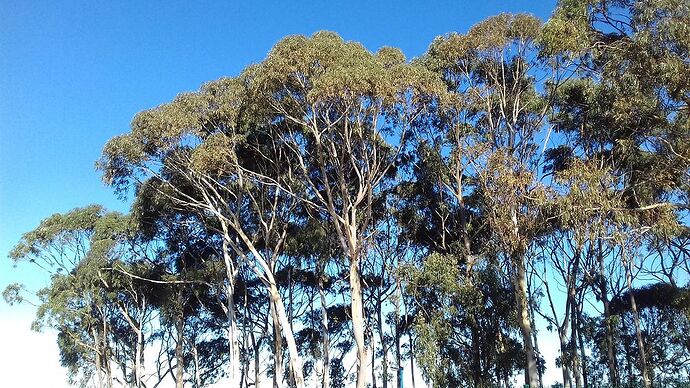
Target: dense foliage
(333,216)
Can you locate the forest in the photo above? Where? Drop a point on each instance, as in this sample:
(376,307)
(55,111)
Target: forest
(335,217)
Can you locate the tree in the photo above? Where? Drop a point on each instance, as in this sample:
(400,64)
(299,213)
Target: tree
(96,312)
(209,155)
(332,203)
(491,132)
(633,117)
(345,114)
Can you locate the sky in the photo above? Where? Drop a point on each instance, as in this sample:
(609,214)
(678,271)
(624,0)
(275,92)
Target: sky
(74,73)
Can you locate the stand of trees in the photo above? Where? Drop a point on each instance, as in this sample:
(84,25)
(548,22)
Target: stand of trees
(332,216)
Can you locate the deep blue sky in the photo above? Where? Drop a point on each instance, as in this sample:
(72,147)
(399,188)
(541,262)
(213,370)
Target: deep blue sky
(72,75)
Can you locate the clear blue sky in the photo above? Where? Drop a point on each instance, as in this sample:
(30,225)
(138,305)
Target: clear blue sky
(74,73)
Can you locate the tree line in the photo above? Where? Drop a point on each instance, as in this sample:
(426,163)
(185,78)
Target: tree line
(333,216)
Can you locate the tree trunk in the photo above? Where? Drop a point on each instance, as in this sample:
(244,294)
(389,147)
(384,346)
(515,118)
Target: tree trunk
(106,355)
(638,330)
(574,328)
(197,373)
(257,361)
(284,324)
(179,346)
(382,341)
(565,354)
(614,379)
(358,321)
(373,359)
(583,356)
(398,356)
(98,361)
(179,355)
(234,356)
(138,362)
(409,334)
(531,373)
(534,334)
(325,339)
(611,357)
(277,348)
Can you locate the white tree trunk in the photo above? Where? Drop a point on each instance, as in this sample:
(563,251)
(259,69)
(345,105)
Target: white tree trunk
(286,329)
(358,322)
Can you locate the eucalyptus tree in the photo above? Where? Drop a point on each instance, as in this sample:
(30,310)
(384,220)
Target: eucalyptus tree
(329,188)
(382,295)
(317,251)
(457,297)
(189,276)
(489,147)
(345,113)
(60,245)
(101,317)
(629,112)
(204,152)
(584,215)
(663,313)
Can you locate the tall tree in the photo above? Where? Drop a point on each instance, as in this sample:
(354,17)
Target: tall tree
(493,71)
(205,154)
(345,113)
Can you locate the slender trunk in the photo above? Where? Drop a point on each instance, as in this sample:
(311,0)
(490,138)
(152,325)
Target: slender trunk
(108,375)
(384,348)
(284,324)
(106,355)
(358,321)
(245,327)
(534,336)
(257,357)
(565,355)
(373,360)
(500,372)
(197,373)
(179,355)
(179,346)
(531,373)
(98,361)
(244,369)
(398,335)
(583,356)
(233,341)
(139,355)
(325,357)
(573,347)
(234,354)
(277,348)
(614,379)
(409,334)
(638,330)
(611,357)
(574,321)
(138,328)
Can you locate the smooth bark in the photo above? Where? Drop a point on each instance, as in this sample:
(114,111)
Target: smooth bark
(531,372)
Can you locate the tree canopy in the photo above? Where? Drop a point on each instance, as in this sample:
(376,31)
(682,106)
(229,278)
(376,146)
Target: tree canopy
(334,216)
